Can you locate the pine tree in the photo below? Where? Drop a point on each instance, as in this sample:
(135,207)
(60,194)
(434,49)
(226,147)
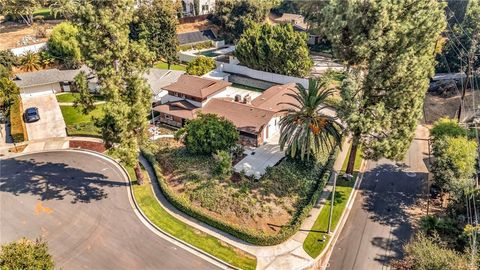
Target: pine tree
(119,64)
(391,45)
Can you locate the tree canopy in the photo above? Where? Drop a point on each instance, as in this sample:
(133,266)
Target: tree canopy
(20,8)
(234,17)
(200,65)
(26,255)
(207,134)
(389,49)
(64,45)
(278,49)
(9,93)
(156,22)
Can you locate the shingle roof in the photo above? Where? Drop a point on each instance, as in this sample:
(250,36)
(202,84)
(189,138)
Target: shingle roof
(196,86)
(181,108)
(48,76)
(159,78)
(196,36)
(245,117)
(272,98)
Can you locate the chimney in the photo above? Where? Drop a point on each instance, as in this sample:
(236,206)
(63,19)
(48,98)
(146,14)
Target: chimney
(238,98)
(247,99)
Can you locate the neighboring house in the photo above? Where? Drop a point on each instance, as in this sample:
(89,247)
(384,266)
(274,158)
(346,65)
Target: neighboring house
(257,120)
(299,24)
(50,80)
(159,78)
(204,7)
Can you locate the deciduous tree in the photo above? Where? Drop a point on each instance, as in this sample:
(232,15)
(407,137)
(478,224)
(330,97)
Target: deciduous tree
(200,65)
(9,93)
(64,45)
(391,45)
(20,8)
(278,49)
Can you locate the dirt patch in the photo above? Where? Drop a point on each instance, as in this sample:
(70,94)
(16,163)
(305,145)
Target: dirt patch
(18,149)
(12,33)
(196,26)
(93,146)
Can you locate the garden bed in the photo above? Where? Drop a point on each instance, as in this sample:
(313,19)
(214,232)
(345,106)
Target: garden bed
(264,212)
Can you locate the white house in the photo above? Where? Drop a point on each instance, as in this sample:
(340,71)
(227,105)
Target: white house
(205,7)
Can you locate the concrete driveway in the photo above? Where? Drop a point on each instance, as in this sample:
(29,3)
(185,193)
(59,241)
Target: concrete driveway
(79,203)
(51,122)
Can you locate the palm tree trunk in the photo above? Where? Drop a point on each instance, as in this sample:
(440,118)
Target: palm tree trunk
(353,154)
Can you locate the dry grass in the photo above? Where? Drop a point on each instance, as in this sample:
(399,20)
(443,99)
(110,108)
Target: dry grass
(11,33)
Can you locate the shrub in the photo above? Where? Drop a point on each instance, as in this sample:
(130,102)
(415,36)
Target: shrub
(207,134)
(8,59)
(196,46)
(240,232)
(200,66)
(445,127)
(16,122)
(224,163)
(423,253)
(26,254)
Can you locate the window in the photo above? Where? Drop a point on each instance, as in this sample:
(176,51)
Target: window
(168,117)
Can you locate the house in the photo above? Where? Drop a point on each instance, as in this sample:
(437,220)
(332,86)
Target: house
(204,7)
(159,78)
(257,120)
(50,81)
(299,24)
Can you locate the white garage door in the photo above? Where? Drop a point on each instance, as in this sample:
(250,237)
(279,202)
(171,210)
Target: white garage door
(51,122)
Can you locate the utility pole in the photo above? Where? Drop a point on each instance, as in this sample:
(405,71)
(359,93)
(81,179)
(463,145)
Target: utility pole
(332,199)
(470,58)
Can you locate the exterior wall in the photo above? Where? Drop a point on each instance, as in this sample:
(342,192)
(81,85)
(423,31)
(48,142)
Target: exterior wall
(273,127)
(261,75)
(170,120)
(206,6)
(29,91)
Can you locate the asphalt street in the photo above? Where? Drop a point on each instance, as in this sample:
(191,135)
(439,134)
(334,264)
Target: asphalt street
(79,204)
(378,224)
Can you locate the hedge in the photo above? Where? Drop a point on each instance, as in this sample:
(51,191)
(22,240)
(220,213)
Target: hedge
(247,235)
(197,46)
(17,128)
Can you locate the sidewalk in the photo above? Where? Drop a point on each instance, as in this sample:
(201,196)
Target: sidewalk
(288,255)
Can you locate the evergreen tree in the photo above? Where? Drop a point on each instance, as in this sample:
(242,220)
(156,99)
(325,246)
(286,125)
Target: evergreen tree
(26,255)
(63,45)
(86,100)
(156,23)
(391,45)
(119,64)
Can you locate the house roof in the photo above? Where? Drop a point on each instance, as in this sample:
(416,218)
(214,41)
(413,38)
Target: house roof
(159,78)
(245,117)
(181,108)
(48,76)
(196,86)
(272,98)
(297,20)
(196,36)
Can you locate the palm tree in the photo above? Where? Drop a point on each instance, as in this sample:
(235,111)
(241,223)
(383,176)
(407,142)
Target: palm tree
(305,129)
(30,62)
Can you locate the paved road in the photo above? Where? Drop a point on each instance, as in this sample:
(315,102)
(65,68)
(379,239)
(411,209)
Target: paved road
(378,224)
(79,203)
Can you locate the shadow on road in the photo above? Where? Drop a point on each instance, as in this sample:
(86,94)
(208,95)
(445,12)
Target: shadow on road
(387,199)
(53,181)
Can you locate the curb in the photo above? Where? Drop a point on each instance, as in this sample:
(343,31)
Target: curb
(322,260)
(138,212)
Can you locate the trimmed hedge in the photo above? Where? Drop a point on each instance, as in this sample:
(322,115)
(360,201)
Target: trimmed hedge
(247,235)
(17,128)
(197,46)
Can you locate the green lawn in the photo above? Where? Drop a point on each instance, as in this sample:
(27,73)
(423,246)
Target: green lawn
(161,218)
(314,243)
(164,65)
(71,97)
(79,123)
(46,13)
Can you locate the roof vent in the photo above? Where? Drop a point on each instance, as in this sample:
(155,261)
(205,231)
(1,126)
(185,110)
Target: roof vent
(247,99)
(238,98)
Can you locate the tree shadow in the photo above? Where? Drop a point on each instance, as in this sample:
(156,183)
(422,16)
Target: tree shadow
(53,181)
(388,193)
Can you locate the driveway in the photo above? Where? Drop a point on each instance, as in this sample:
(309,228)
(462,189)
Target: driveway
(258,159)
(379,223)
(79,203)
(51,122)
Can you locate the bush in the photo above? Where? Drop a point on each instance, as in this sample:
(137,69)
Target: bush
(423,253)
(196,46)
(240,232)
(16,122)
(26,254)
(445,127)
(207,134)
(8,59)
(200,66)
(224,163)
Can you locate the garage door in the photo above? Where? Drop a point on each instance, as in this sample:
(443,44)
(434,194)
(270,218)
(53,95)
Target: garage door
(51,122)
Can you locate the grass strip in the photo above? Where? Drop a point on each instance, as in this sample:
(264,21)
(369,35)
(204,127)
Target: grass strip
(161,218)
(318,237)
(163,65)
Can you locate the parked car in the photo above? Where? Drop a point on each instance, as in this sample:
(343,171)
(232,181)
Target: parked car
(31,115)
